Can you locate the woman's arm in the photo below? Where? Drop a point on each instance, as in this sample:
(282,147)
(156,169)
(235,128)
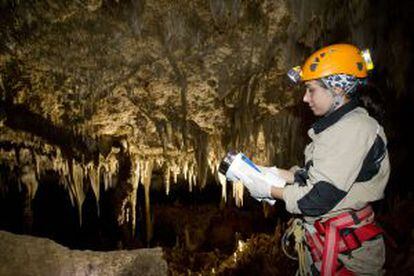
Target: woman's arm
(277,193)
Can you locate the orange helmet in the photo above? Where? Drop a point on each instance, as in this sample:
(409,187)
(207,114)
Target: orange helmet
(333,59)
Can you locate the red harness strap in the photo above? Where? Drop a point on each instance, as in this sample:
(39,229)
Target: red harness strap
(339,235)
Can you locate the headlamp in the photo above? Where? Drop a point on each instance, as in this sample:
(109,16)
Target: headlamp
(294,74)
(366,56)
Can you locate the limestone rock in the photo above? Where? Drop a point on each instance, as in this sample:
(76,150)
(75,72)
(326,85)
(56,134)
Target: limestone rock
(26,255)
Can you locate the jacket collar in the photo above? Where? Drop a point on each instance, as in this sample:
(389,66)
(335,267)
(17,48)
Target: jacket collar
(334,117)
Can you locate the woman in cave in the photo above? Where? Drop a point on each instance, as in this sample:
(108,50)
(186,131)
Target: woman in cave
(346,167)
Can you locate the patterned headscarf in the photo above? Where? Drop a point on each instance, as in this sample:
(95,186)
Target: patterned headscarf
(348,83)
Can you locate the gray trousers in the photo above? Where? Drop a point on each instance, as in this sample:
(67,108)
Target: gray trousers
(369,259)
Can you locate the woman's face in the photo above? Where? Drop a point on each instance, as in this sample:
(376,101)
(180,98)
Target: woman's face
(318,98)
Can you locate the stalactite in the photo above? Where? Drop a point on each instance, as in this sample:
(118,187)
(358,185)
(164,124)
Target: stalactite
(176,171)
(40,160)
(76,188)
(185,170)
(214,159)
(134,194)
(167,180)
(190,178)
(111,166)
(169,132)
(201,154)
(194,180)
(274,137)
(146,174)
(136,171)
(25,156)
(223,183)
(238,191)
(61,166)
(29,180)
(94,177)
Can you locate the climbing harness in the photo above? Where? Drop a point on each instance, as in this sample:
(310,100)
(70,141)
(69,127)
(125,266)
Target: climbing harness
(328,238)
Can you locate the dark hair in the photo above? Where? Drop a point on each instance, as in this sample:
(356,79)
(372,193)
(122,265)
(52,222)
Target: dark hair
(370,97)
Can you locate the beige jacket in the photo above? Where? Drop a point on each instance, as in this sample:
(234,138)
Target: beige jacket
(347,165)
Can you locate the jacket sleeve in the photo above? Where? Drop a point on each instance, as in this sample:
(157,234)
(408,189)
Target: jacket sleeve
(337,158)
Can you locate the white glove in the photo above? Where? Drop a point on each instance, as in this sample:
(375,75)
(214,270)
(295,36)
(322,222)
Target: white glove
(260,188)
(272,176)
(272,170)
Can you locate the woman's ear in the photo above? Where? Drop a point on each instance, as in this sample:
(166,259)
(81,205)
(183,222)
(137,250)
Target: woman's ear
(338,91)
